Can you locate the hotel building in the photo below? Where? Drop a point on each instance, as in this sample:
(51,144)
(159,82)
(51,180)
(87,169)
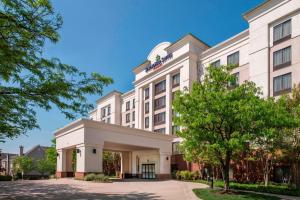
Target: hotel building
(267,53)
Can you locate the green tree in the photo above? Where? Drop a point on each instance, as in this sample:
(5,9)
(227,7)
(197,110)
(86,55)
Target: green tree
(51,156)
(221,116)
(28,79)
(22,164)
(44,166)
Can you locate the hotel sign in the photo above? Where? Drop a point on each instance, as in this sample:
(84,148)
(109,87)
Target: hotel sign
(159,62)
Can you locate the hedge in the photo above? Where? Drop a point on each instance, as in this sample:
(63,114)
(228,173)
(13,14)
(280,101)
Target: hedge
(5,178)
(97,178)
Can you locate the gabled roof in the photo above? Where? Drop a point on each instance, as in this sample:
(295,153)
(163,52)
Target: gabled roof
(42,148)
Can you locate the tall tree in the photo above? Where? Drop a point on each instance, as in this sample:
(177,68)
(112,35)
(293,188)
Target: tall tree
(28,80)
(218,115)
(51,157)
(22,164)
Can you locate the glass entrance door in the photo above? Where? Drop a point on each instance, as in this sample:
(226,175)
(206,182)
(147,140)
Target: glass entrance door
(148,171)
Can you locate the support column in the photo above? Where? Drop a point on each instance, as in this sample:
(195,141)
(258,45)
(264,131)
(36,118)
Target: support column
(61,163)
(125,165)
(89,159)
(168,104)
(164,165)
(151,107)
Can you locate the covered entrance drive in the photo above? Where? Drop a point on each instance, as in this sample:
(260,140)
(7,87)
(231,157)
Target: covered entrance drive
(144,154)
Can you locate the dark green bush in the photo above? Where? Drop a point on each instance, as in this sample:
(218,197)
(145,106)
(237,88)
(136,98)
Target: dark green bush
(97,178)
(5,178)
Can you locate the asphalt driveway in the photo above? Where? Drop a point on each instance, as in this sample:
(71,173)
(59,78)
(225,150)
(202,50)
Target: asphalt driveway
(81,190)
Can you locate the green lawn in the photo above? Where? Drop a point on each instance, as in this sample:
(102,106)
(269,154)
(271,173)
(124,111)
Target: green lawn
(207,194)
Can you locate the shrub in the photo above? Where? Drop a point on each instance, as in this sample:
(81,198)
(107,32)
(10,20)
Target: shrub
(186,175)
(5,178)
(90,177)
(195,175)
(101,178)
(178,175)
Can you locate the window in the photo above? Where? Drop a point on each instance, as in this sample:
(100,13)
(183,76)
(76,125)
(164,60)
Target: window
(133,116)
(282,84)
(160,130)
(175,147)
(103,112)
(282,32)
(146,93)
(236,81)
(127,117)
(127,105)
(133,103)
(233,59)
(147,107)
(216,63)
(108,120)
(147,122)
(160,103)
(160,87)
(159,118)
(282,58)
(108,110)
(176,80)
(175,129)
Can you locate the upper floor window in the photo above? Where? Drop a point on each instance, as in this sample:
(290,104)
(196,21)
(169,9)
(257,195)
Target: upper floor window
(127,105)
(133,103)
(175,129)
(233,59)
(175,147)
(146,93)
(159,118)
(176,80)
(127,117)
(217,63)
(133,116)
(108,110)
(282,58)
(147,122)
(282,32)
(147,107)
(160,87)
(282,84)
(160,103)
(103,112)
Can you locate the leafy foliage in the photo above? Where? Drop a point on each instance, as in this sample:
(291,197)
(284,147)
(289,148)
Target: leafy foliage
(28,79)
(45,166)
(51,156)
(22,164)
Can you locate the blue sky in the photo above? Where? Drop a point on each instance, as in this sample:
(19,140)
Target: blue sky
(112,37)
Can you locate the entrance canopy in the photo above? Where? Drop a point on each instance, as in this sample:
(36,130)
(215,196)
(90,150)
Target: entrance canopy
(90,138)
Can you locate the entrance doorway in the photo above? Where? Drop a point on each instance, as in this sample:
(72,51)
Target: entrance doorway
(148,171)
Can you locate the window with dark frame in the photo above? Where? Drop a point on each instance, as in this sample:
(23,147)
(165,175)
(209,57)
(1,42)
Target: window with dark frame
(175,129)
(233,59)
(127,105)
(175,147)
(103,112)
(282,32)
(133,116)
(176,80)
(108,110)
(216,63)
(146,93)
(160,130)
(160,87)
(127,117)
(282,58)
(146,107)
(133,103)
(282,84)
(146,122)
(160,103)
(159,118)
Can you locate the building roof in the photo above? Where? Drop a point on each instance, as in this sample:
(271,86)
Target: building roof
(109,95)
(256,8)
(189,35)
(37,147)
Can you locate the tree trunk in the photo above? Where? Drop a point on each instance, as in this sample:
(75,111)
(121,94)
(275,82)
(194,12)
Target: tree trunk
(266,177)
(226,167)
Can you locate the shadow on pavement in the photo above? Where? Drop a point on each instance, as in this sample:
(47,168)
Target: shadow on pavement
(31,190)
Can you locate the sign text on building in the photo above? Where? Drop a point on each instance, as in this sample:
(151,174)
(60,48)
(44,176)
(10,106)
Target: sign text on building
(159,62)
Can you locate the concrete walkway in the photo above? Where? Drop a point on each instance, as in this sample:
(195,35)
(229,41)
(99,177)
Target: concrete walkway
(81,190)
